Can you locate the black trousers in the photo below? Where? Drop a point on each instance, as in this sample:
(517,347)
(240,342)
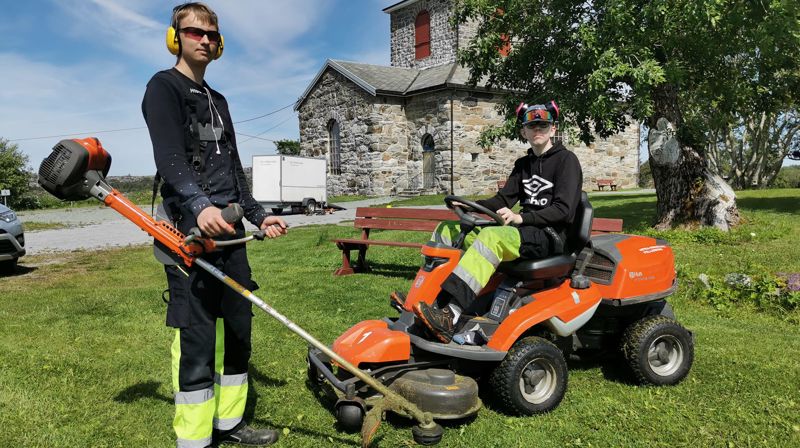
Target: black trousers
(196,302)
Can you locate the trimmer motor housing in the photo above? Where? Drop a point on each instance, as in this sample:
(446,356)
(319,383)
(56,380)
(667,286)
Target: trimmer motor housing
(73,168)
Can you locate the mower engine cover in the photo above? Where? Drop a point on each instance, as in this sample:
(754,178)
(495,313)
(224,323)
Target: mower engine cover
(63,172)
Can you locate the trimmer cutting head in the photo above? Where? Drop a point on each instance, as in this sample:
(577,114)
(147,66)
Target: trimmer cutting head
(74,166)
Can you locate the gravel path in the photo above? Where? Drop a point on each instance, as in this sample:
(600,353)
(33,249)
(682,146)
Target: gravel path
(101,227)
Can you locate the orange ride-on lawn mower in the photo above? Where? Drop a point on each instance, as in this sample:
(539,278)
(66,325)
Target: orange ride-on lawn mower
(606,292)
(76,170)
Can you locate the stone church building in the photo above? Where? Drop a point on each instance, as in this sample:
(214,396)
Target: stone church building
(413,127)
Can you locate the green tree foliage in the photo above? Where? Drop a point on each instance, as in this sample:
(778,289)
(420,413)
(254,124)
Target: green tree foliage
(686,64)
(789,177)
(13,173)
(288,147)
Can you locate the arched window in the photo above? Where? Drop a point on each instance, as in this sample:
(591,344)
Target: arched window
(334,148)
(427,143)
(428,161)
(422,35)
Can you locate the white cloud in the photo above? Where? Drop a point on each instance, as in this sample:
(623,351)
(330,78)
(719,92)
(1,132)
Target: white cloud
(48,99)
(265,29)
(268,63)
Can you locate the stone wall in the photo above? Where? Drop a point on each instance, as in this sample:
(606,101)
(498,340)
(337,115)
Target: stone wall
(475,169)
(337,98)
(381,141)
(443,46)
(616,157)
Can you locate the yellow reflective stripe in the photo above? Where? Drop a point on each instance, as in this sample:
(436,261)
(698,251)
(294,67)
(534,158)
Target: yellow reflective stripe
(230,401)
(445,232)
(176,359)
(485,252)
(194,414)
(493,245)
(219,347)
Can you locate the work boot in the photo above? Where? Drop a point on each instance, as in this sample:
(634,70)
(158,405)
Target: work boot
(439,321)
(398,300)
(247,435)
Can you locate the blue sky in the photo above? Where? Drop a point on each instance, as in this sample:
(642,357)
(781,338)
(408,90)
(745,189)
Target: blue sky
(80,66)
(76,66)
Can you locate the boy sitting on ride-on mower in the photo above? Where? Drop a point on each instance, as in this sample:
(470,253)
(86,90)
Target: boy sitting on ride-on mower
(547,182)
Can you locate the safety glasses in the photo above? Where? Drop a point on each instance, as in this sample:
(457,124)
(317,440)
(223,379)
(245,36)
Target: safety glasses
(537,114)
(197,34)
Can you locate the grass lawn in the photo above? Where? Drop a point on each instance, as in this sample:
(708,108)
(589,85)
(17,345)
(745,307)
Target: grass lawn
(85,353)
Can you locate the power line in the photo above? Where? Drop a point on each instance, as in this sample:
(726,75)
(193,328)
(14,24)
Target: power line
(250,137)
(142,127)
(74,133)
(265,115)
(264,132)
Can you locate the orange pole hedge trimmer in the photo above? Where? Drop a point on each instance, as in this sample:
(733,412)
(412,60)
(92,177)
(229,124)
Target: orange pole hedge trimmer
(76,170)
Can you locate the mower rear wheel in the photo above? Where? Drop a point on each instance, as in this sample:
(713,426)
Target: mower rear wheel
(427,436)
(532,379)
(659,350)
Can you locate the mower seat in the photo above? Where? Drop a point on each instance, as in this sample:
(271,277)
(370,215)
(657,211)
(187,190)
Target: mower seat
(578,236)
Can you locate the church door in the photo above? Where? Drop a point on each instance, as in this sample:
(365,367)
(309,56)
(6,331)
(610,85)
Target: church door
(428,162)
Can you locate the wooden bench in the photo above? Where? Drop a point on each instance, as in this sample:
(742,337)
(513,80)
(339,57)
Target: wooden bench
(603,183)
(417,219)
(368,218)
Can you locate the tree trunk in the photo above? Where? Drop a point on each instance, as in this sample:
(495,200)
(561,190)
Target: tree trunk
(687,192)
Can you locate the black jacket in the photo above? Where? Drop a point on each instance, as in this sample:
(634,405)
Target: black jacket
(548,188)
(166,111)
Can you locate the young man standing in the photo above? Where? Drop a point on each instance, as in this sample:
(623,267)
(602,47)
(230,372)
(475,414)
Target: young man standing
(194,145)
(547,182)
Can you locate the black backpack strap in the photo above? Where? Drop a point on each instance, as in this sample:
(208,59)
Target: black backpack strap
(196,160)
(156,183)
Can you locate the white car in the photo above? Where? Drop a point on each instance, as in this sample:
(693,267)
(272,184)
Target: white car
(12,239)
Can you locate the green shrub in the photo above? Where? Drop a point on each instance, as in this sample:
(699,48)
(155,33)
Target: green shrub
(788,177)
(778,294)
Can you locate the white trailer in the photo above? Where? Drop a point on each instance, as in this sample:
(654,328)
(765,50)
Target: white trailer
(289,181)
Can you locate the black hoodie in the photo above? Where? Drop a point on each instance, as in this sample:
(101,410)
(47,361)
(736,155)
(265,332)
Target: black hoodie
(548,188)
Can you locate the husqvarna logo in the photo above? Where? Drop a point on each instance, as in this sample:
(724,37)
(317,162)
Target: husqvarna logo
(364,337)
(651,249)
(533,187)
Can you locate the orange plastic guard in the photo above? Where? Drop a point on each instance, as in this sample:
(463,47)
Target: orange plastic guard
(160,230)
(99,159)
(372,341)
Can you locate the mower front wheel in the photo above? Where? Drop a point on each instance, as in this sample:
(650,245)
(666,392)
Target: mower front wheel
(659,350)
(427,436)
(532,379)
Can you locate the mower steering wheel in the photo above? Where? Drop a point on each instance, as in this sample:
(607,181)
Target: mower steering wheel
(467,210)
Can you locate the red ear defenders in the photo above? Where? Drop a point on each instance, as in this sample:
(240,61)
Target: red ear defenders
(173,42)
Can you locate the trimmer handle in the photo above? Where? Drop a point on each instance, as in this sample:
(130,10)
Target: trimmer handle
(233,213)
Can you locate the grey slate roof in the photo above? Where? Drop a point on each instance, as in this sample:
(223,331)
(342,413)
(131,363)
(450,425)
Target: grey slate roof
(394,81)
